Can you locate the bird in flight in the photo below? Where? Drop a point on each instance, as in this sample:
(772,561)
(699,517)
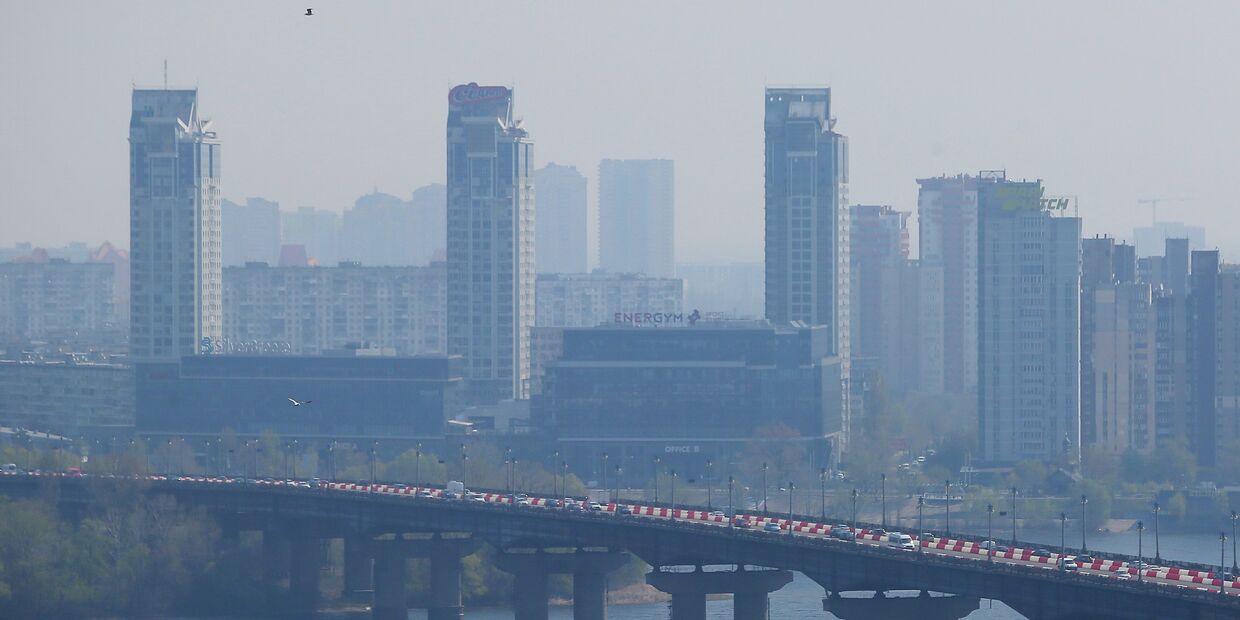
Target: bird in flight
(298,403)
(309,11)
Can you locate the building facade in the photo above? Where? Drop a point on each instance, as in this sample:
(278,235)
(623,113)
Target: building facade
(689,393)
(806,220)
(947,240)
(637,216)
(316,230)
(389,399)
(733,289)
(66,394)
(589,299)
(56,298)
(490,242)
(880,331)
(1029,266)
(314,310)
(561,231)
(250,231)
(174,227)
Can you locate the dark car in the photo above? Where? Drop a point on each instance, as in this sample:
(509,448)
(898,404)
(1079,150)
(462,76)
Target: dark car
(624,510)
(1041,553)
(1085,559)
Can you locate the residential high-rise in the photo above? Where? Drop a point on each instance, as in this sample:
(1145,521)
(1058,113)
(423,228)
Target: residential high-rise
(382,229)
(734,289)
(1029,276)
(880,337)
(560,226)
(1097,272)
(636,217)
(174,224)
(251,232)
(52,299)
(316,230)
(806,221)
(490,242)
(947,242)
(1149,239)
(598,298)
(1203,354)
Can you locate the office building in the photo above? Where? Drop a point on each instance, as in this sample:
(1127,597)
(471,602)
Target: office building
(360,398)
(315,230)
(947,241)
(490,242)
(636,216)
(1029,278)
(68,394)
(251,232)
(688,393)
(589,299)
(315,310)
(1226,434)
(881,336)
(1119,389)
(1203,354)
(560,230)
(174,227)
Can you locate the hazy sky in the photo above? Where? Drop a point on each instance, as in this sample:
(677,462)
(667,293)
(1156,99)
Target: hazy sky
(1108,101)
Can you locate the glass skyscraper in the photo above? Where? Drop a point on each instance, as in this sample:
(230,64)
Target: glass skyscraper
(807,220)
(174,227)
(490,242)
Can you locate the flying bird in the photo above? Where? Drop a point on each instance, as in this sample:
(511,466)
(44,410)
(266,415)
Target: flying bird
(298,403)
(309,11)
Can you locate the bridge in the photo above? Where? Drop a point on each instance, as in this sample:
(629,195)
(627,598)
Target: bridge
(694,553)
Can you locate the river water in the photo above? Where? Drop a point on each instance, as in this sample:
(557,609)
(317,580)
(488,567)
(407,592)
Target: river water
(803,598)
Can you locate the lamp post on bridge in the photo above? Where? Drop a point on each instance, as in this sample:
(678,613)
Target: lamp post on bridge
(417,464)
(990,542)
(791,487)
(921,502)
(710,466)
(731,513)
(673,482)
(1140,554)
(822,492)
(882,479)
(656,479)
(764,491)
(1157,552)
(1063,543)
(605,487)
(331,461)
(856,538)
(1013,517)
(1234,568)
(1222,560)
(619,472)
(1084,500)
(947,503)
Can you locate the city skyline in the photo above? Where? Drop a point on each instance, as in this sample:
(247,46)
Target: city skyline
(1082,140)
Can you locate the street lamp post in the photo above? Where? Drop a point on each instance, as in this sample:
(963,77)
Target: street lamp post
(464,462)
(417,464)
(1013,516)
(947,503)
(1063,529)
(764,491)
(673,483)
(921,502)
(990,542)
(882,478)
(605,487)
(1084,500)
(619,472)
(331,461)
(374,455)
(1140,554)
(822,492)
(293,457)
(1234,567)
(656,479)
(791,487)
(1222,560)
(709,469)
(731,513)
(1157,552)
(854,515)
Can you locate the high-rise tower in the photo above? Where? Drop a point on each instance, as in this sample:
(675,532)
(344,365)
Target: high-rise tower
(636,215)
(490,242)
(174,227)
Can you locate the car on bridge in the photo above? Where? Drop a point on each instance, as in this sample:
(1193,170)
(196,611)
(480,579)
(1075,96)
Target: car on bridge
(1041,553)
(624,511)
(741,521)
(1068,564)
(772,527)
(901,541)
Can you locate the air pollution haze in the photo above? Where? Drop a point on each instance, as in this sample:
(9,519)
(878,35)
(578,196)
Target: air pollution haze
(1109,104)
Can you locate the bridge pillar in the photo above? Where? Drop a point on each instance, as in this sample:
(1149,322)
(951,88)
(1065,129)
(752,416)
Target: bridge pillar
(532,567)
(303,584)
(275,558)
(389,594)
(357,576)
(446,582)
(749,590)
